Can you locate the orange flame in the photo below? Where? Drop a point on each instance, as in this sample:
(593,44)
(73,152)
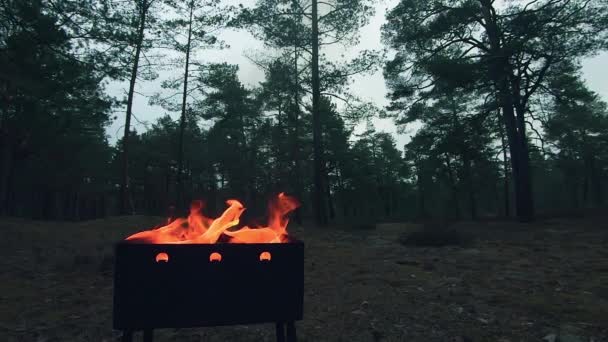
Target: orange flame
(200,229)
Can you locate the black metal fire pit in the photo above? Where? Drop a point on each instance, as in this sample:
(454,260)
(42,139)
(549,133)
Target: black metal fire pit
(197,285)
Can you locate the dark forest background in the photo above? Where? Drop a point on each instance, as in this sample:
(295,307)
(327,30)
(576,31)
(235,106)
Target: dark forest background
(508,125)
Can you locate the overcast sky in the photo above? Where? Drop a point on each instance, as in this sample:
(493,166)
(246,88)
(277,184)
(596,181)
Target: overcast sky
(371,87)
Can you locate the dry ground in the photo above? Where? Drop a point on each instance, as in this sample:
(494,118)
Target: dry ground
(514,283)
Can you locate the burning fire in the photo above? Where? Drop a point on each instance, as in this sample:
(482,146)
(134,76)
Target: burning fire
(197,228)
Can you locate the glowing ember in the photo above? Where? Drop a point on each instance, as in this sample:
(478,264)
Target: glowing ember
(215,256)
(200,229)
(164,257)
(265,256)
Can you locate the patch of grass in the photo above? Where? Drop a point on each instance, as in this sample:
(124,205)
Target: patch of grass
(106,265)
(363,226)
(356,226)
(433,236)
(56,282)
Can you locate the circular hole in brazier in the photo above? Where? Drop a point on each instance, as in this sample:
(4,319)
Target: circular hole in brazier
(162,257)
(265,256)
(215,257)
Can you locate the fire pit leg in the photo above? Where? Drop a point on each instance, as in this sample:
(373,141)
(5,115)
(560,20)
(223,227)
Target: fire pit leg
(127,336)
(291,332)
(280,329)
(148,335)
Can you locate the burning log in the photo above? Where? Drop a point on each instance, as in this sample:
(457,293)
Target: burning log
(200,229)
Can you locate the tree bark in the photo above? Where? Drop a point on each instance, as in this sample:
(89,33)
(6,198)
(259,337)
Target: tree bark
(526,206)
(453,189)
(585,182)
(330,200)
(296,118)
(515,152)
(6,150)
(422,214)
(182,121)
(596,182)
(471,188)
(319,198)
(296,141)
(6,164)
(506,187)
(500,72)
(125,205)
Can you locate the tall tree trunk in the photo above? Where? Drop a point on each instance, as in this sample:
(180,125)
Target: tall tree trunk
(453,189)
(182,121)
(526,207)
(296,118)
(330,199)
(505,160)
(167,178)
(296,141)
(124,201)
(586,172)
(6,164)
(319,198)
(596,182)
(422,214)
(574,187)
(515,152)
(471,188)
(6,150)
(500,72)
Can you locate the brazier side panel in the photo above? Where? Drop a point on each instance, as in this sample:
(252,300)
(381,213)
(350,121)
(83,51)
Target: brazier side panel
(189,290)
